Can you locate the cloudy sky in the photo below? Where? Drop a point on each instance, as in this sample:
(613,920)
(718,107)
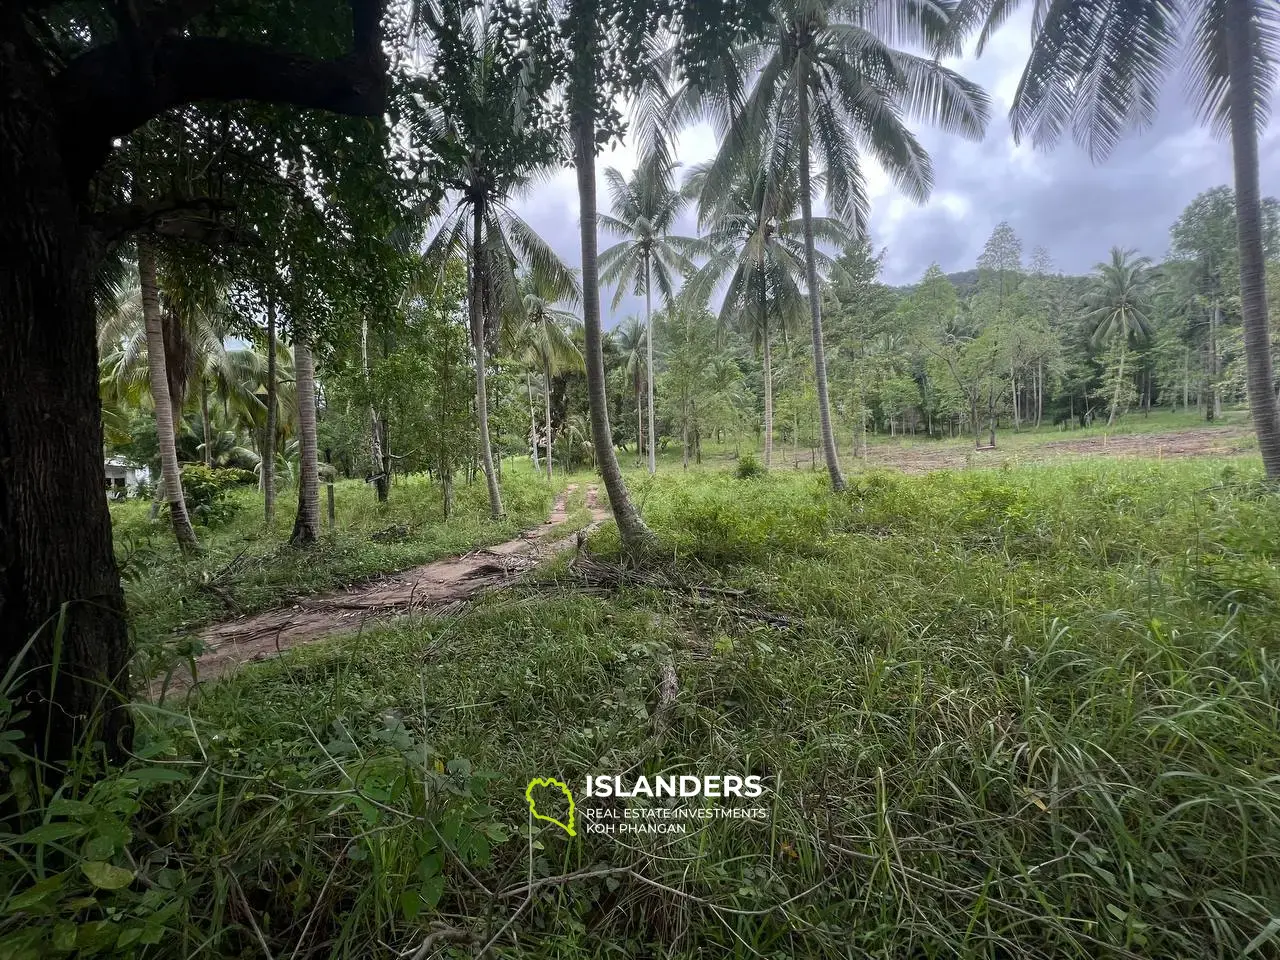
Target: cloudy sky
(1060,200)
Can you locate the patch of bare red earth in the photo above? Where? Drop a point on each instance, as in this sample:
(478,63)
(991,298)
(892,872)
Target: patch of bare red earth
(435,586)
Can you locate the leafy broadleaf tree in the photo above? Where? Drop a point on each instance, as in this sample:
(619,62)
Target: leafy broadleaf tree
(1098,68)
(688,349)
(831,78)
(1207,277)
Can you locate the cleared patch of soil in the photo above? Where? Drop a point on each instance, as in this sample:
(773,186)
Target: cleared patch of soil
(431,586)
(1200,442)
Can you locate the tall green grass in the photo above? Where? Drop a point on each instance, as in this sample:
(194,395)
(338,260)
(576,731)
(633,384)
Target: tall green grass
(1023,713)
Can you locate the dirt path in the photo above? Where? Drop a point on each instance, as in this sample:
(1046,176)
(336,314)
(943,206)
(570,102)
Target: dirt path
(1198,442)
(431,586)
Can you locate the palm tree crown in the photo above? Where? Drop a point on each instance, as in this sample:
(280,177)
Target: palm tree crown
(1120,299)
(645,208)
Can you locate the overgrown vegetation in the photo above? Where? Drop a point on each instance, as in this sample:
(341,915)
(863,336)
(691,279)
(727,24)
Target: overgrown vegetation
(1025,712)
(1028,710)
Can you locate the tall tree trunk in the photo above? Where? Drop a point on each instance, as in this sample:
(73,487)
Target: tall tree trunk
(815,302)
(533,425)
(546,399)
(204,416)
(636,536)
(768,371)
(59,584)
(1013,383)
(684,436)
(1115,400)
(377,460)
(640,452)
(1186,365)
(170,475)
(648,346)
(1213,406)
(1241,71)
(1040,393)
(445,465)
(306,524)
(991,415)
(477,342)
(268,464)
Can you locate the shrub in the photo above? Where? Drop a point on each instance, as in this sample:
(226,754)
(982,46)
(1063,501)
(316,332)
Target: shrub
(205,490)
(748,467)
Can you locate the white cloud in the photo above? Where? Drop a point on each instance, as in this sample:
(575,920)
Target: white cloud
(1059,199)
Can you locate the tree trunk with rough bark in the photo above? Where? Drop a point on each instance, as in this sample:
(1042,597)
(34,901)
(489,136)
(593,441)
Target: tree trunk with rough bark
(170,474)
(1241,70)
(59,584)
(306,523)
(815,304)
(636,536)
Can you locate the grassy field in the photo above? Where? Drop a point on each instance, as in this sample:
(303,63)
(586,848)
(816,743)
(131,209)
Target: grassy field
(1159,434)
(1029,711)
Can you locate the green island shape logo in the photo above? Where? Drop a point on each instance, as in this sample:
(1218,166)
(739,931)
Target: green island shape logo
(533,806)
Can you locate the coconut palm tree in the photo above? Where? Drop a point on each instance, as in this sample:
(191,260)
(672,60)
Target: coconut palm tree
(542,336)
(632,340)
(170,475)
(645,208)
(754,251)
(829,78)
(488,129)
(1118,307)
(1098,69)
(595,36)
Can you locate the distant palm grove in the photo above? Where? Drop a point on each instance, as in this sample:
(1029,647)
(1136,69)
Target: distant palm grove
(253,249)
